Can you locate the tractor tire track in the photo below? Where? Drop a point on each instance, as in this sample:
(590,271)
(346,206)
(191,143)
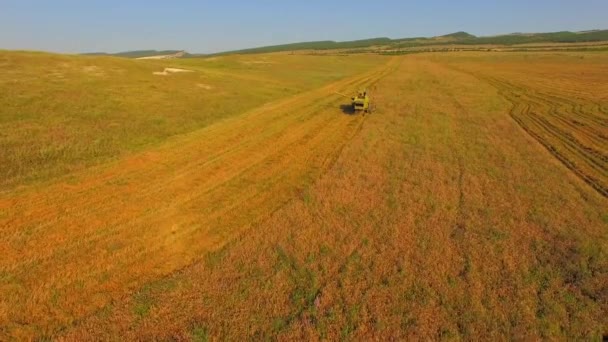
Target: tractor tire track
(563,145)
(548,118)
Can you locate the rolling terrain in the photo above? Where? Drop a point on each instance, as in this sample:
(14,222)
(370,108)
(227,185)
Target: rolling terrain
(594,39)
(241,200)
(586,40)
(63,113)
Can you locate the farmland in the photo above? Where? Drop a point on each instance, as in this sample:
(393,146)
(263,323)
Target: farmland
(63,113)
(239,200)
(566,114)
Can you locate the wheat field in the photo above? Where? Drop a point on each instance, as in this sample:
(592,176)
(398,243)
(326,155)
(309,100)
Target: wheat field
(239,200)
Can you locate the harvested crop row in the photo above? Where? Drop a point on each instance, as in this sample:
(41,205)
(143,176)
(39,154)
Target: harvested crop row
(545,119)
(74,248)
(559,100)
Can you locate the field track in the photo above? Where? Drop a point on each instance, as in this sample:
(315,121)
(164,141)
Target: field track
(163,200)
(563,115)
(575,134)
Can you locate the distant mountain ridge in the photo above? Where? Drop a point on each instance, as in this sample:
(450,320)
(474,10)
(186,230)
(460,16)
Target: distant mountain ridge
(316,45)
(459,35)
(461,38)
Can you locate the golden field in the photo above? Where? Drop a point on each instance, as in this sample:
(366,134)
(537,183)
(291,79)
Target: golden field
(239,201)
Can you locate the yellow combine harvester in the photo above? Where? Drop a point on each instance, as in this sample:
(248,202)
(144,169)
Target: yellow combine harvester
(361,102)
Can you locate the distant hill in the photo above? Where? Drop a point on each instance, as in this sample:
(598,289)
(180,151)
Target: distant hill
(551,37)
(458,35)
(315,45)
(452,38)
(384,43)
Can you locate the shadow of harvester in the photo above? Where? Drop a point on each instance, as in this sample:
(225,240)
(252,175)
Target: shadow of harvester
(348,109)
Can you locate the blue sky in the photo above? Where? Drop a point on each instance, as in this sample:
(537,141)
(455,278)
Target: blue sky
(211,26)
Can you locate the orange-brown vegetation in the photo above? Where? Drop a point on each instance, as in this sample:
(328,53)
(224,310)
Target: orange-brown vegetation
(560,103)
(436,216)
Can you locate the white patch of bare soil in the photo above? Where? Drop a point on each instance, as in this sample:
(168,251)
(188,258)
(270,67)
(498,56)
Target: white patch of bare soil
(204,86)
(169,71)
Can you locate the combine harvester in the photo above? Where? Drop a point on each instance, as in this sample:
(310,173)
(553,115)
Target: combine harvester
(360,102)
